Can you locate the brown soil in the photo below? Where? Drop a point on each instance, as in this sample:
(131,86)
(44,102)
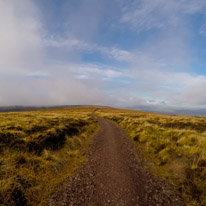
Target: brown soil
(115,175)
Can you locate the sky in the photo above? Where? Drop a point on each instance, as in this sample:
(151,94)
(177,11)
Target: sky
(121,53)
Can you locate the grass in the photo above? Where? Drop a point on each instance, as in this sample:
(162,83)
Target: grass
(175,147)
(39,149)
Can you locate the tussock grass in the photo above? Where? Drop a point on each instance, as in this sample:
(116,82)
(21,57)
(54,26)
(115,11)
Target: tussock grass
(39,149)
(174,145)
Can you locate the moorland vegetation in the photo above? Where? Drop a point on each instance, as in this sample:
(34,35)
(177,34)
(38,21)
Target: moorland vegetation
(39,149)
(175,147)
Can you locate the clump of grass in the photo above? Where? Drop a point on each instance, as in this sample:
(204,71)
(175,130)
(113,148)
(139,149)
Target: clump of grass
(40,149)
(176,144)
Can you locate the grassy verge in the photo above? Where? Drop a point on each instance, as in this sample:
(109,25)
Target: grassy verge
(40,149)
(174,145)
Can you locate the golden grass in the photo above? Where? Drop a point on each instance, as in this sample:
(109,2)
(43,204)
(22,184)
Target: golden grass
(175,145)
(39,149)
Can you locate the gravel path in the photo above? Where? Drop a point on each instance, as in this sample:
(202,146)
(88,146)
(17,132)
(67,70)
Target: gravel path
(114,175)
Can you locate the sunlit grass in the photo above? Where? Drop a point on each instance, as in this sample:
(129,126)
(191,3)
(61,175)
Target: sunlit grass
(39,149)
(175,144)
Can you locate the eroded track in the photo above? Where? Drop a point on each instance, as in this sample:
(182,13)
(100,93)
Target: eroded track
(114,175)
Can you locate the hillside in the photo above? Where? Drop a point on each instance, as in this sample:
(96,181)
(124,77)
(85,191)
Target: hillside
(60,156)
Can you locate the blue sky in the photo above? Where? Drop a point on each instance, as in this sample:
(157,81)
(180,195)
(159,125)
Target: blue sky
(124,53)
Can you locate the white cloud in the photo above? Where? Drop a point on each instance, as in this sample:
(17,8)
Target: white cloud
(175,89)
(159,14)
(37,74)
(76,44)
(156,73)
(67,43)
(168,30)
(92,71)
(203,30)
(20,36)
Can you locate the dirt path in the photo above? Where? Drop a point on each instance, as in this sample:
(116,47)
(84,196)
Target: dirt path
(114,176)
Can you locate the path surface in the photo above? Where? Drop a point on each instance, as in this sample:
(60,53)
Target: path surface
(114,175)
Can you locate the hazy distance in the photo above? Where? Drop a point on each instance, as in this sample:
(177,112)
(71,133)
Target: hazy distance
(141,54)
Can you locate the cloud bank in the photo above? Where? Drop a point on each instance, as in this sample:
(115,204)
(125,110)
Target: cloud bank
(116,53)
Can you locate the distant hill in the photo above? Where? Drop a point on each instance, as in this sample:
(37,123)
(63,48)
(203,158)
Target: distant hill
(201,112)
(33,108)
